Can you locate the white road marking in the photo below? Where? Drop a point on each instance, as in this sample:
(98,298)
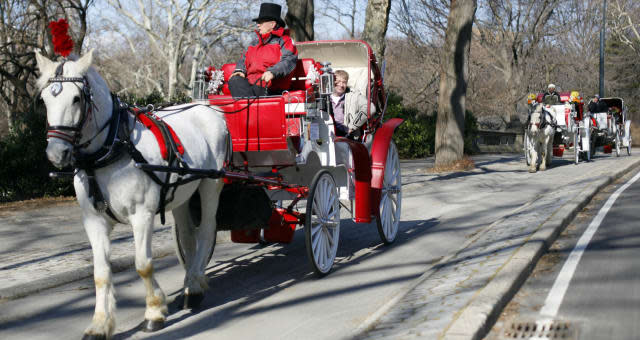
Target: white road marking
(556,295)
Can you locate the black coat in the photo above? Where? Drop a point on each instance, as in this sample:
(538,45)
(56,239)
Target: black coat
(600,106)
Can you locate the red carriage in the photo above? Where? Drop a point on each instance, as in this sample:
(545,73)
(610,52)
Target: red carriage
(284,150)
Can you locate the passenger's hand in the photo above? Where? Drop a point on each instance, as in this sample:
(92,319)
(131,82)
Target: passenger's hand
(267,76)
(236,74)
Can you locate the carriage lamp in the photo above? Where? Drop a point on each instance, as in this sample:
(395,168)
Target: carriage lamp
(198,85)
(326,79)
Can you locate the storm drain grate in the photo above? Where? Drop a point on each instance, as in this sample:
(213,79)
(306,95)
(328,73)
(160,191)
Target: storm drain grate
(552,330)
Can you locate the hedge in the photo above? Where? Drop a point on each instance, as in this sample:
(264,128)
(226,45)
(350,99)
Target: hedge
(416,137)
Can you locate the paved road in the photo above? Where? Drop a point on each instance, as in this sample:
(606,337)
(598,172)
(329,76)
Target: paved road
(597,294)
(457,232)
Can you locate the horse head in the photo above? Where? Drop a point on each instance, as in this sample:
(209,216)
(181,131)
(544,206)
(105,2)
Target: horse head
(536,119)
(67,89)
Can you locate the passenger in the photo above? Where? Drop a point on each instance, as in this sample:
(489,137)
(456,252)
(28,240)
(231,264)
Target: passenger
(551,97)
(596,105)
(349,108)
(272,56)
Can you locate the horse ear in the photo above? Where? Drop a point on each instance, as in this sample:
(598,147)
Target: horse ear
(43,62)
(85,62)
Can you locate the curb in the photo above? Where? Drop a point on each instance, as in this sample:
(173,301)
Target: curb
(476,319)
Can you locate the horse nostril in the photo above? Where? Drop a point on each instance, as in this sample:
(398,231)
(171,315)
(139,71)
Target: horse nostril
(65,154)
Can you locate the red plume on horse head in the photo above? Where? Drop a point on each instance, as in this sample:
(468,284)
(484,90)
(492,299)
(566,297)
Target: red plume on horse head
(62,43)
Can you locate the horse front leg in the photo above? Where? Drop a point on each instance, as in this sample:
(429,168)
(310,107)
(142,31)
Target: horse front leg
(533,166)
(156,305)
(547,148)
(196,282)
(543,154)
(103,323)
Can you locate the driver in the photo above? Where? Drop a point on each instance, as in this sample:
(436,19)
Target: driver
(551,97)
(596,105)
(271,57)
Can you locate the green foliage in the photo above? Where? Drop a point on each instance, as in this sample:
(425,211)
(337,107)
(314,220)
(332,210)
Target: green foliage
(24,173)
(416,137)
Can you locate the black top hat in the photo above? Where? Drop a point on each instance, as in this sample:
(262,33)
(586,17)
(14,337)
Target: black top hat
(270,11)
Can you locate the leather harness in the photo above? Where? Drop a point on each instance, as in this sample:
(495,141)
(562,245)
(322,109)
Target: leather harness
(118,142)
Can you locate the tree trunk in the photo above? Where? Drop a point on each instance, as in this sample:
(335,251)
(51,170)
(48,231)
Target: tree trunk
(300,19)
(375,26)
(454,71)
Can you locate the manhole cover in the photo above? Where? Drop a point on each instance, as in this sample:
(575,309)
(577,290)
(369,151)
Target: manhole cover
(539,330)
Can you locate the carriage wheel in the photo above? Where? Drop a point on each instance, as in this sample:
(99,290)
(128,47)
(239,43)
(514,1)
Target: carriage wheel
(527,155)
(390,197)
(576,149)
(178,239)
(617,144)
(322,223)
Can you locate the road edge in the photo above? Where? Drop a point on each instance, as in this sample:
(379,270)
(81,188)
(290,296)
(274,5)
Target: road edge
(477,318)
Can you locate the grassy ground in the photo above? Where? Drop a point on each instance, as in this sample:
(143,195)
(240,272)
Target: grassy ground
(6,208)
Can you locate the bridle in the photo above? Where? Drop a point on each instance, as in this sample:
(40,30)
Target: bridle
(542,119)
(72,134)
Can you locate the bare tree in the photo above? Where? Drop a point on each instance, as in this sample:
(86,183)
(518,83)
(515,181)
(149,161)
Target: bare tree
(625,23)
(453,82)
(511,33)
(375,26)
(345,13)
(178,32)
(299,18)
(23,29)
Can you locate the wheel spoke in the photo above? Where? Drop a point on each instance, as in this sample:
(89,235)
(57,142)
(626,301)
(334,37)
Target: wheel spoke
(332,201)
(329,237)
(333,214)
(316,226)
(385,211)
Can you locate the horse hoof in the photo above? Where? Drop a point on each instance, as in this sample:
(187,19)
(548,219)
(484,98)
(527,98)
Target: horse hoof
(149,326)
(94,337)
(192,301)
(532,171)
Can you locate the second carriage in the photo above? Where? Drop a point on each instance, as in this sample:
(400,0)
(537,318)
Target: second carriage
(612,129)
(284,150)
(572,127)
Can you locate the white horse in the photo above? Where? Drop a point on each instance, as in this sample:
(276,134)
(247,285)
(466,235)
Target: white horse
(79,111)
(540,133)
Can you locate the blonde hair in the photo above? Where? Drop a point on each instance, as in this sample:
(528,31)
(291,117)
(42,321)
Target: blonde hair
(342,74)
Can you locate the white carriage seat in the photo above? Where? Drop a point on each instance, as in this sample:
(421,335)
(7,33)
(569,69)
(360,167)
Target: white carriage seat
(600,120)
(561,114)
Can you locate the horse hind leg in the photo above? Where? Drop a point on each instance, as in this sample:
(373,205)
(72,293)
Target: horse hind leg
(103,322)
(196,282)
(156,306)
(184,232)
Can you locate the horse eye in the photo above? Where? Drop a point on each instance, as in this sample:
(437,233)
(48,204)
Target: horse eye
(76,99)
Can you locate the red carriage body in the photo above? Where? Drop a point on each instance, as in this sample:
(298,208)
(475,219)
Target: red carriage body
(284,142)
